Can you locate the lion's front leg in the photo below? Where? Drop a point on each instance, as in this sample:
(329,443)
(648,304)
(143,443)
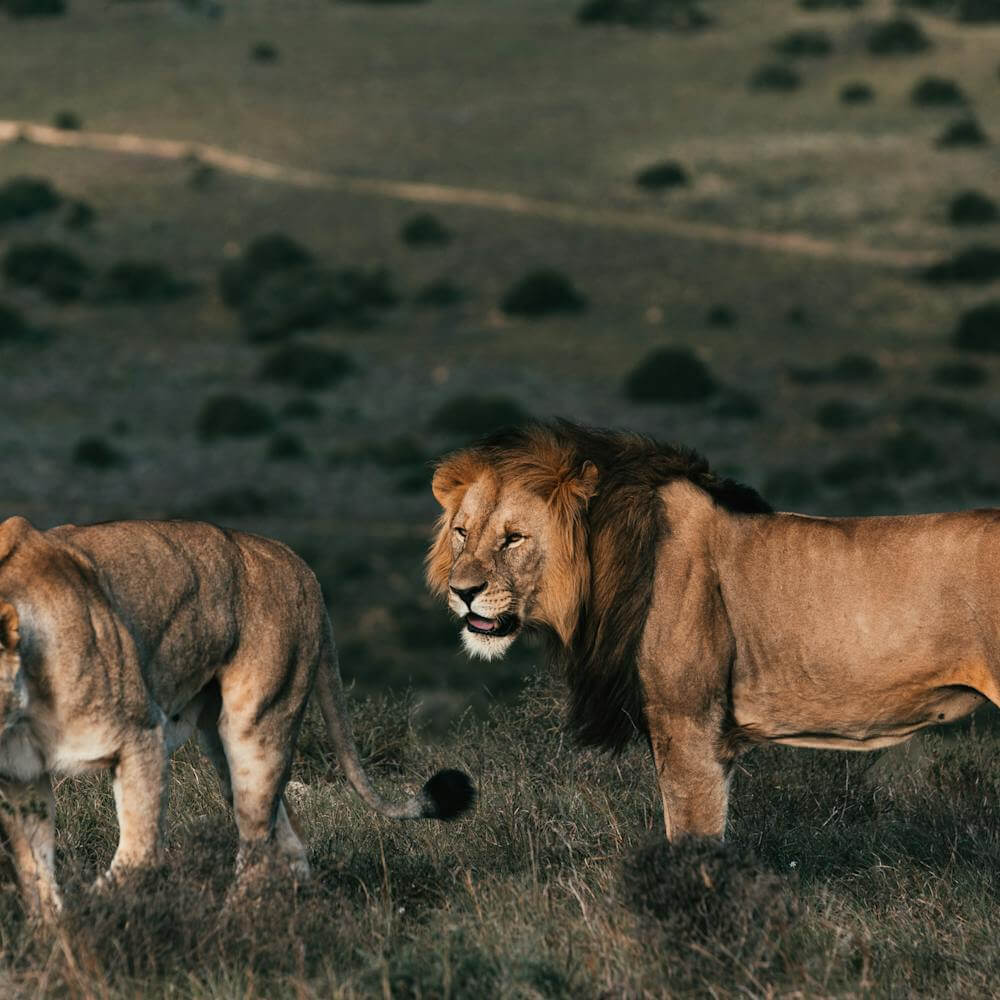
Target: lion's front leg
(693,778)
(140,787)
(29,819)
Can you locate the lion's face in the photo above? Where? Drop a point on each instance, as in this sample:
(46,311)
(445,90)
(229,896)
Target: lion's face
(505,556)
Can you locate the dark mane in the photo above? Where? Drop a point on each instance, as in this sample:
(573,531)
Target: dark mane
(625,523)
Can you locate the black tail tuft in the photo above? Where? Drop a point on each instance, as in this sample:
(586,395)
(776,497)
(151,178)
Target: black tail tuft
(448,794)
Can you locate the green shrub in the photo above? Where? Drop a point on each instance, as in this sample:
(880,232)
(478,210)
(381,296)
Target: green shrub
(857,92)
(55,271)
(34,8)
(307,367)
(661,176)
(972,208)
(851,470)
(830,4)
(909,452)
(440,293)
(979,329)
(960,375)
(777,77)
(264,52)
(937,91)
(472,415)
(141,281)
(738,405)
(964,132)
(840,415)
(13,325)
(979,11)
(302,408)
(69,121)
(541,293)
(720,315)
(239,277)
(856,368)
(670,375)
(898,36)
(425,230)
(79,215)
(24,197)
(804,42)
(98,454)
(285,446)
(975,265)
(673,14)
(231,415)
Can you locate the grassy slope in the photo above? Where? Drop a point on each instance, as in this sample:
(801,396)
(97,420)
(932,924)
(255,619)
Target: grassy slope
(897,878)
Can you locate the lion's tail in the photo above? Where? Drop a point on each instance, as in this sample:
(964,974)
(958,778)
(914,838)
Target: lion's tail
(446,795)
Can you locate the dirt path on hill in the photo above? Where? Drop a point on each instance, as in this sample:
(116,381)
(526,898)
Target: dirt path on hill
(801,244)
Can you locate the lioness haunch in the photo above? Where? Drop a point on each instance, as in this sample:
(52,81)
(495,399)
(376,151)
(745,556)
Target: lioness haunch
(118,641)
(681,607)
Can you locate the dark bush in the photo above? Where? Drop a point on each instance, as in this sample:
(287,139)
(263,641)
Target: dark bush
(975,265)
(790,486)
(738,405)
(797,316)
(935,410)
(34,8)
(851,471)
(306,366)
(402,450)
(965,132)
(98,454)
(13,325)
(264,256)
(898,36)
(804,42)
(775,77)
(830,4)
(909,452)
(285,446)
(978,11)
(971,208)
(720,315)
(937,91)
(857,92)
(472,415)
(424,230)
(303,298)
(856,368)
(440,292)
(960,375)
(79,215)
(140,281)
(670,375)
(264,52)
(230,415)
(675,14)
(979,329)
(840,415)
(540,293)
(57,272)
(69,121)
(23,197)
(661,176)
(302,408)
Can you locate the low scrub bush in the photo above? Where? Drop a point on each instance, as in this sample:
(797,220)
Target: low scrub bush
(13,325)
(720,315)
(68,121)
(670,375)
(978,11)
(961,133)
(849,369)
(140,281)
(264,52)
(857,92)
(56,271)
(776,77)
(972,208)
(804,42)
(960,375)
(541,293)
(302,408)
(98,454)
(661,176)
(974,265)
(34,8)
(979,329)
(425,230)
(831,4)
(306,366)
(937,91)
(736,404)
(473,415)
(897,36)
(909,452)
(264,256)
(851,470)
(232,415)
(24,197)
(79,215)
(285,446)
(440,293)
(674,14)
(790,486)
(841,415)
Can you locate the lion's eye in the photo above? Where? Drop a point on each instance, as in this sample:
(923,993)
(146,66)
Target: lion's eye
(459,531)
(513,539)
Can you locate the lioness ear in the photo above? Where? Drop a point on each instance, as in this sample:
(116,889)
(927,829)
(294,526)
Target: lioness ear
(10,636)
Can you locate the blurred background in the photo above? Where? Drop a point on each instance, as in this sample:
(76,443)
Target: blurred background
(263,261)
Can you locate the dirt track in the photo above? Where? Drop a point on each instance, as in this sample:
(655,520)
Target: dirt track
(437,194)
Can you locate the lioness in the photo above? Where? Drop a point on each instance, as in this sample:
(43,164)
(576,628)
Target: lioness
(682,607)
(119,640)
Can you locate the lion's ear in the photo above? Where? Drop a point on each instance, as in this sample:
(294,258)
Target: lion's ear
(10,635)
(455,473)
(582,485)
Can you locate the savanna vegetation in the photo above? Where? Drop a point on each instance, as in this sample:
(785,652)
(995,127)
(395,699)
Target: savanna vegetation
(775,238)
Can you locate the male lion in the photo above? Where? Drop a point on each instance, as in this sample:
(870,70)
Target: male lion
(119,640)
(682,607)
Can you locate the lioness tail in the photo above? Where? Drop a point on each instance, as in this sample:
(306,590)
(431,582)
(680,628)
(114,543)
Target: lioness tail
(445,795)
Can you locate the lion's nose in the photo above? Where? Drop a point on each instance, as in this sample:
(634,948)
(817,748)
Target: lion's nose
(467,594)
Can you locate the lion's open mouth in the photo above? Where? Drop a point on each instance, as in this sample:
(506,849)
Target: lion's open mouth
(501,626)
